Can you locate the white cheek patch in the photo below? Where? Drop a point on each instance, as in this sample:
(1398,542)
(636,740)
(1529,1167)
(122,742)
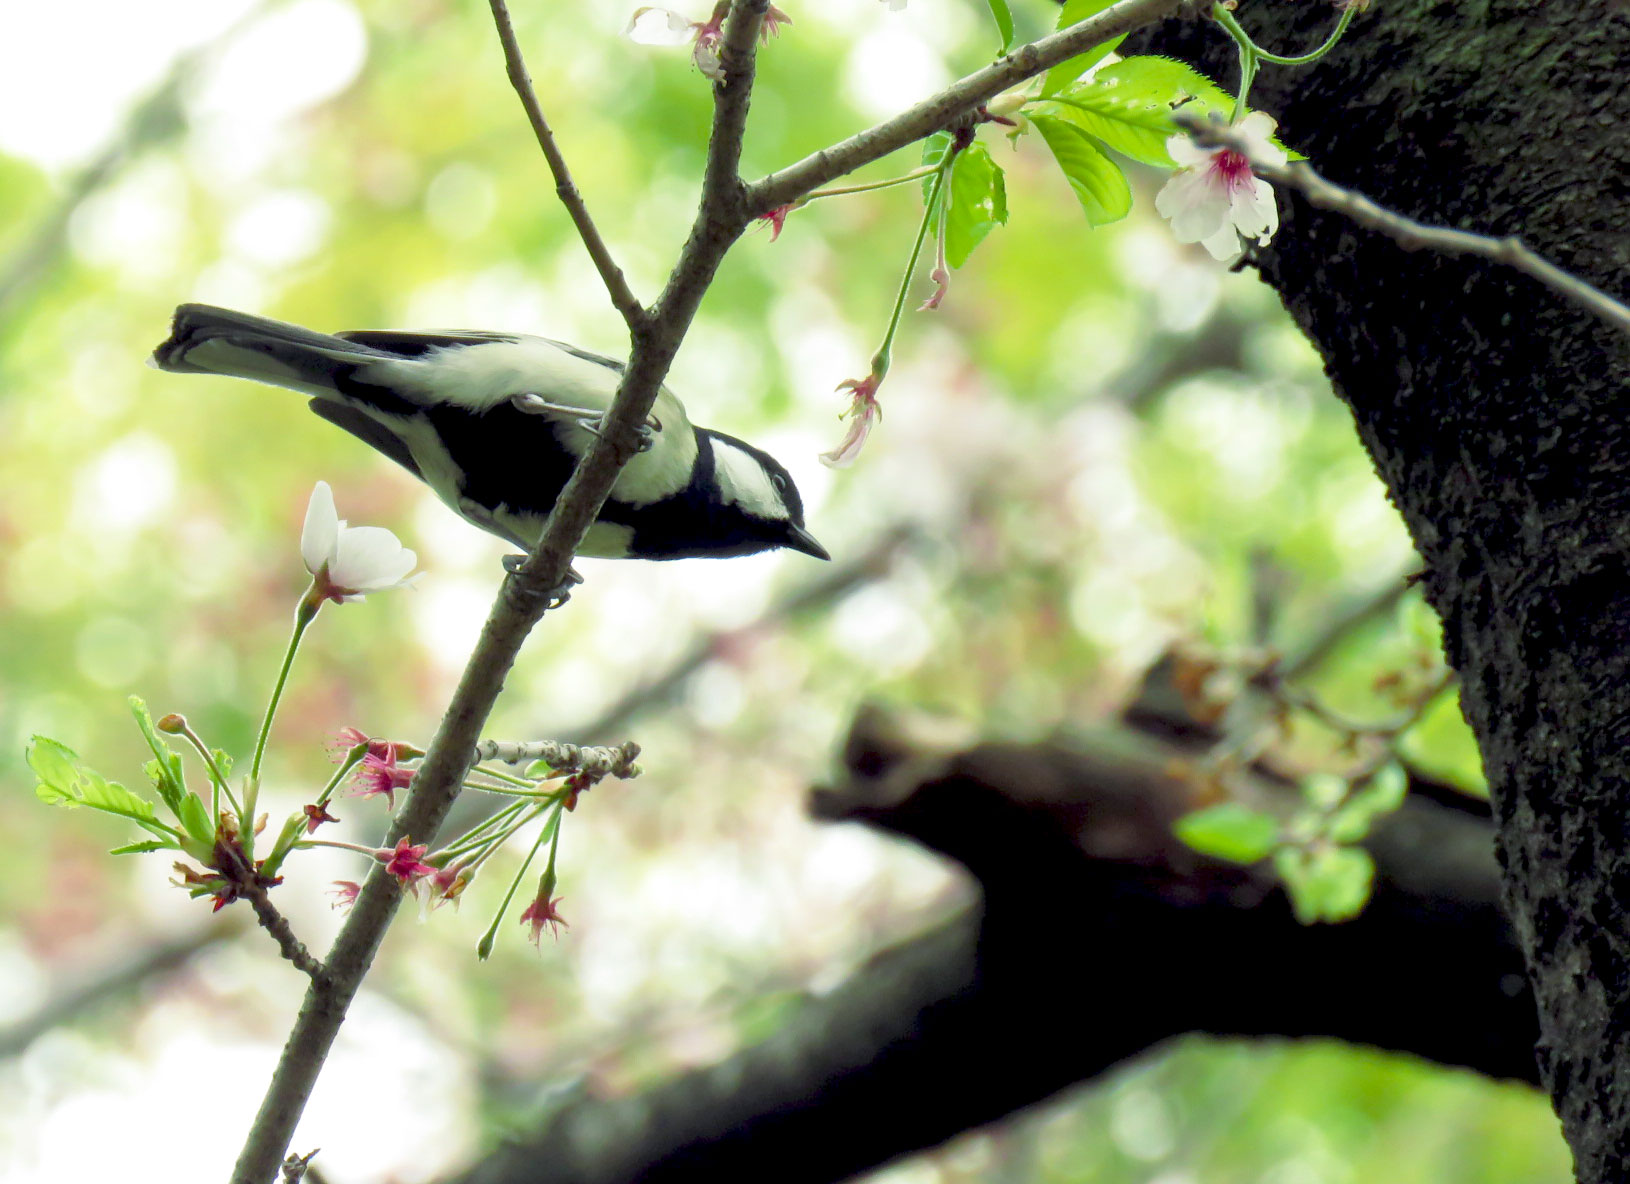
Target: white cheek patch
(744,483)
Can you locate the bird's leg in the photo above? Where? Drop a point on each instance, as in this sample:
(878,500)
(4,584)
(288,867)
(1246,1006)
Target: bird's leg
(554,597)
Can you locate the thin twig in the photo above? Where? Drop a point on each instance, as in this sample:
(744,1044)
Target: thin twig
(622,297)
(958,99)
(1407,232)
(276,924)
(597,762)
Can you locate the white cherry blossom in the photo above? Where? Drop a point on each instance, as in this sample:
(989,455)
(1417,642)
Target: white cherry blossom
(348,562)
(1214,198)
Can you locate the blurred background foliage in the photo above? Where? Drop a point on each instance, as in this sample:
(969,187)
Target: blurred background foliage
(1101,446)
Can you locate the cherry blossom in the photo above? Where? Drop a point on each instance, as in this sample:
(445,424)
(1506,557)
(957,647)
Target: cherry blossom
(348,562)
(1214,198)
(662,26)
(864,411)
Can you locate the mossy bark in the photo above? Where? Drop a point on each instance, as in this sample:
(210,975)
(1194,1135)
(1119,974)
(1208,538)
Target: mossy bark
(1497,416)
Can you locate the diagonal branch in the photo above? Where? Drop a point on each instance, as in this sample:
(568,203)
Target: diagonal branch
(622,297)
(960,97)
(521,602)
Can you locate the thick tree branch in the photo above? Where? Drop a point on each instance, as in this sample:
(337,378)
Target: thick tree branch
(1099,937)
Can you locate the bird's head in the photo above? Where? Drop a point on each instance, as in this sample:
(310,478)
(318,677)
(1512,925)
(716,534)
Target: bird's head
(756,500)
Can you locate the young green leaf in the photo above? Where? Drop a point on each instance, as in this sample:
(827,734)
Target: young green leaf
(1098,182)
(1229,831)
(144,847)
(1382,794)
(1326,883)
(53,762)
(1149,79)
(1004,21)
(63,783)
(164,770)
(194,816)
(1067,71)
(977,203)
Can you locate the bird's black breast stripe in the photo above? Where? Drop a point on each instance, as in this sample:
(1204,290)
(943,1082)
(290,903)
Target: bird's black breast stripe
(505,456)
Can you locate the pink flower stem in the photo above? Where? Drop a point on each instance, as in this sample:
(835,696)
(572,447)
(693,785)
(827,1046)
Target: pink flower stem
(550,831)
(353,758)
(880,360)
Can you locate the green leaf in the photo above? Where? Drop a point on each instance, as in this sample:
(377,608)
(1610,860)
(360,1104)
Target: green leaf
(1229,831)
(143,847)
(164,770)
(1098,182)
(53,762)
(1150,80)
(978,202)
(1382,794)
(1324,791)
(1004,21)
(194,816)
(1067,71)
(63,783)
(1326,883)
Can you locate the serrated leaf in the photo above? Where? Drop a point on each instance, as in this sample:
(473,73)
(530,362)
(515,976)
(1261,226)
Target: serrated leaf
(1229,831)
(1151,79)
(1067,71)
(977,205)
(1132,123)
(143,847)
(1326,884)
(87,787)
(1004,21)
(53,762)
(1099,184)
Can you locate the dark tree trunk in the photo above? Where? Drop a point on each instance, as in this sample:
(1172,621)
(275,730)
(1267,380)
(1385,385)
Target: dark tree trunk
(1496,414)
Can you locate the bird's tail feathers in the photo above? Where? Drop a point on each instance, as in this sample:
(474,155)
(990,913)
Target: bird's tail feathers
(208,340)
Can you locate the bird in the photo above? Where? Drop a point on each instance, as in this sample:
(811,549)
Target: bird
(495,423)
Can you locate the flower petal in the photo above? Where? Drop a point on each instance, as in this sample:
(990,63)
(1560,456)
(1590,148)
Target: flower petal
(1257,129)
(1194,203)
(368,559)
(658,26)
(1253,209)
(322,528)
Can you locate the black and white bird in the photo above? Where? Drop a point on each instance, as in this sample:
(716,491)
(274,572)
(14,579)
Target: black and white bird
(495,423)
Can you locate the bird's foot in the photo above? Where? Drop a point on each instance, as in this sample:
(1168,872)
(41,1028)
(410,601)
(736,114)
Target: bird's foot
(554,597)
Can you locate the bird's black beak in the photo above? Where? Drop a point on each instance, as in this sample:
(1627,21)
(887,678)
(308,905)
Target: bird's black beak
(799,539)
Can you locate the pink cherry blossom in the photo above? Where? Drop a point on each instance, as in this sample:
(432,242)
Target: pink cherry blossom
(380,775)
(864,411)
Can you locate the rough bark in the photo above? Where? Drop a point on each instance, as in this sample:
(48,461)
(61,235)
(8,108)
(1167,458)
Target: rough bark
(1099,937)
(1496,416)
